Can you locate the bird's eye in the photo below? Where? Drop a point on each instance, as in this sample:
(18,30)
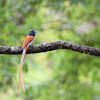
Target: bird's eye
(32,32)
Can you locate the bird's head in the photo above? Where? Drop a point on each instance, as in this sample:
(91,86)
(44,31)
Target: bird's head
(32,33)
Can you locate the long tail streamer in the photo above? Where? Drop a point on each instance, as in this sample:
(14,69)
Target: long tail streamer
(20,73)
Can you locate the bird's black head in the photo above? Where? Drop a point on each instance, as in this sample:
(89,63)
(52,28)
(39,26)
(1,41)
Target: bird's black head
(32,33)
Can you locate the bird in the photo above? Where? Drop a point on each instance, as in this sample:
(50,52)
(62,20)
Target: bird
(28,41)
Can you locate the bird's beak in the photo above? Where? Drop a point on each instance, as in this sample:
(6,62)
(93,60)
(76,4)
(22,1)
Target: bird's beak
(35,31)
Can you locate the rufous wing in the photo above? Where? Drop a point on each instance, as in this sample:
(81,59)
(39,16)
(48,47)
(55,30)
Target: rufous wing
(27,40)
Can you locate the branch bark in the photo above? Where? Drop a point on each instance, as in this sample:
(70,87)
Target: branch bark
(15,50)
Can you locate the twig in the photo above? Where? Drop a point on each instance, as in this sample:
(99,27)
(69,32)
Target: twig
(3,3)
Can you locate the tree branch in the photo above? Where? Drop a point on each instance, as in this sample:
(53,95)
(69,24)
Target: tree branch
(15,50)
(3,3)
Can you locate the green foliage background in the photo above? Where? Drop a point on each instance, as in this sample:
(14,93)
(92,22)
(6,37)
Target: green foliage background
(57,75)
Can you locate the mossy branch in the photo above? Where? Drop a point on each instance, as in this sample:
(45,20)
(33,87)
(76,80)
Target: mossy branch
(15,50)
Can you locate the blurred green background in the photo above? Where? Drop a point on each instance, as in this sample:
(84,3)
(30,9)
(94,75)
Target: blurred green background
(56,75)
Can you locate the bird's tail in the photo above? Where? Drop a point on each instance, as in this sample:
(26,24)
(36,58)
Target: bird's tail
(20,73)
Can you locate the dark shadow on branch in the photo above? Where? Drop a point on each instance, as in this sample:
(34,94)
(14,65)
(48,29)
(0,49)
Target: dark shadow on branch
(15,50)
